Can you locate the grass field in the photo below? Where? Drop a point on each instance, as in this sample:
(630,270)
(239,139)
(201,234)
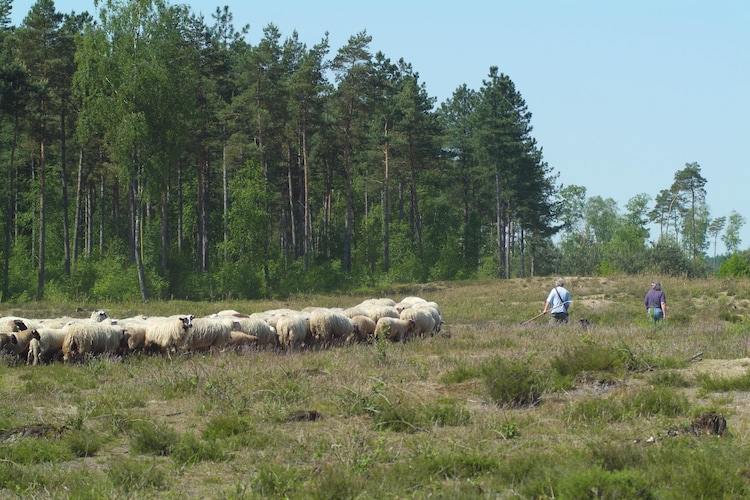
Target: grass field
(490,408)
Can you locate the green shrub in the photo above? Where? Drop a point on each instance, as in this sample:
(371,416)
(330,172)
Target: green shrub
(512,382)
(151,438)
(277,480)
(130,474)
(710,383)
(223,426)
(461,373)
(83,443)
(189,450)
(595,483)
(586,357)
(457,465)
(36,450)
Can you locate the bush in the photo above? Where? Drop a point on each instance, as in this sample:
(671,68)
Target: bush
(513,383)
(152,438)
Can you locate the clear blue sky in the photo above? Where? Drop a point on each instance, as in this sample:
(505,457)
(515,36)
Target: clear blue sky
(623,93)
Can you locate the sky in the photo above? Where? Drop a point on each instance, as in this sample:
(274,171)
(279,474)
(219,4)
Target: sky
(623,93)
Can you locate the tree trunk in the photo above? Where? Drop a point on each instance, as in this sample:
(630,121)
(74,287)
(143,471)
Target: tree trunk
(42,216)
(386,208)
(101,216)
(77,217)
(164,228)
(225,197)
(416,217)
(9,216)
(64,196)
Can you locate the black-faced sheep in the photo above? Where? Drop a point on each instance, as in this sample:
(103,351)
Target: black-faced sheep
(293,330)
(394,329)
(18,342)
(167,335)
(88,337)
(10,324)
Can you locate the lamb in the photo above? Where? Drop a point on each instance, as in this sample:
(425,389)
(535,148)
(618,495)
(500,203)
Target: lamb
(293,330)
(47,346)
(327,325)
(259,328)
(393,329)
(166,335)
(424,321)
(88,337)
(364,328)
(209,332)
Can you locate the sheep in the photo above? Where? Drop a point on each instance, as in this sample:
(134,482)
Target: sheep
(364,328)
(424,322)
(377,312)
(18,342)
(89,337)
(99,316)
(394,329)
(57,322)
(293,330)
(166,335)
(135,333)
(230,312)
(238,338)
(15,324)
(209,332)
(259,328)
(384,301)
(47,346)
(33,356)
(327,325)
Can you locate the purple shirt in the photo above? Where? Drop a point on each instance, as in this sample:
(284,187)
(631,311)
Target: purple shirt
(654,298)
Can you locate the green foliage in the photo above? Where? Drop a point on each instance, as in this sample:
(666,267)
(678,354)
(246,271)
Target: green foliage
(513,383)
(461,373)
(189,450)
(643,403)
(711,383)
(276,480)
(734,267)
(152,438)
(586,357)
(36,450)
(595,483)
(130,474)
(84,443)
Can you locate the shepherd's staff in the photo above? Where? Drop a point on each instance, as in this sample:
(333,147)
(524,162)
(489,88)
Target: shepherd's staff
(532,319)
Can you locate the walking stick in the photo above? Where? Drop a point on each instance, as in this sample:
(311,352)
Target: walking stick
(532,319)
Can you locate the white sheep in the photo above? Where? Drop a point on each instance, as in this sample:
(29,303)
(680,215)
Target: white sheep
(364,328)
(394,329)
(383,301)
(293,330)
(135,332)
(47,346)
(424,321)
(209,332)
(89,337)
(99,316)
(238,338)
(257,327)
(327,325)
(378,311)
(166,335)
(10,324)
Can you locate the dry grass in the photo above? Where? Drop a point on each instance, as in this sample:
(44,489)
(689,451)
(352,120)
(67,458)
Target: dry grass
(391,420)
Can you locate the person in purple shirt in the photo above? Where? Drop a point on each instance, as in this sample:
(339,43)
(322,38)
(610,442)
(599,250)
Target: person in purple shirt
(656,302)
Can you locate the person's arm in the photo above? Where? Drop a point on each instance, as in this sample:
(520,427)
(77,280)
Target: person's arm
(664,306)
(546,307)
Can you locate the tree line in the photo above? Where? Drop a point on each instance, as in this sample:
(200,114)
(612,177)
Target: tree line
(149,153)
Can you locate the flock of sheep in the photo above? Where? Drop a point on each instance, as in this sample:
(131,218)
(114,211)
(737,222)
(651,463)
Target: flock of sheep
(70,339)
